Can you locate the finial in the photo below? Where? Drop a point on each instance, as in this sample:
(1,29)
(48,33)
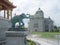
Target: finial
(39,8)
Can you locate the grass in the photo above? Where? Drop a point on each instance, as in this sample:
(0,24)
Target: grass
(47,34)
(30,42)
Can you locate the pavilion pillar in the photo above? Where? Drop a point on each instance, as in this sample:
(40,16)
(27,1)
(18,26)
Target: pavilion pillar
(11,13)
(4,13)
(7,14)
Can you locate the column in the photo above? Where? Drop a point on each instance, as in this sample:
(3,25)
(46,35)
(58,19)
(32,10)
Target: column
(11,13)
(4,14)
(7,14)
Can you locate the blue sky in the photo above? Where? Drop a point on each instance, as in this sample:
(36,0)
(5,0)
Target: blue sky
(50,8)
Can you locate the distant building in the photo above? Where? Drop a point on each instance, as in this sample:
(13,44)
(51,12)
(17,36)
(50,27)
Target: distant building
(40,24)
(49,26)
(37,21)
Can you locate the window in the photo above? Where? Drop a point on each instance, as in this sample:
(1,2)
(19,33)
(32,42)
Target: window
(35,30)
(36,25)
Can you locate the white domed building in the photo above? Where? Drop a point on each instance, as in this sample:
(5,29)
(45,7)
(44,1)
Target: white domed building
(38,23)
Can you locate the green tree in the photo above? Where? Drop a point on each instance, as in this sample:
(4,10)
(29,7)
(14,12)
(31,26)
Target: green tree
(56,29)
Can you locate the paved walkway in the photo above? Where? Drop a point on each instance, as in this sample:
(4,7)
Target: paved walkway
(43,41)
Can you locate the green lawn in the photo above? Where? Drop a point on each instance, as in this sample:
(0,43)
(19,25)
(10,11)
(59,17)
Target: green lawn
(30,42)
(47,34)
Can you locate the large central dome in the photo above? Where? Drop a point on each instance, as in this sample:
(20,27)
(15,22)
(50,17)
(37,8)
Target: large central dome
(39,13)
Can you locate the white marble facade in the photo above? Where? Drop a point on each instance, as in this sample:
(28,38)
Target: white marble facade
(38,22)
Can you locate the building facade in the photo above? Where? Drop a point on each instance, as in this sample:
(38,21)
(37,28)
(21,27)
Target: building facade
(49,26)
(40,24)
(37,21)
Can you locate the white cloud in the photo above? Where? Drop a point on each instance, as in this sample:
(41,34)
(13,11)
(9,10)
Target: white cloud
(50,7)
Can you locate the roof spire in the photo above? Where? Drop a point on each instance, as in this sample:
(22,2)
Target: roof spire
(39,9)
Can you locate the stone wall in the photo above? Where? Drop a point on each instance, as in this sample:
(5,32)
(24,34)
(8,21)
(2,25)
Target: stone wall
(5,24)
(16,38)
